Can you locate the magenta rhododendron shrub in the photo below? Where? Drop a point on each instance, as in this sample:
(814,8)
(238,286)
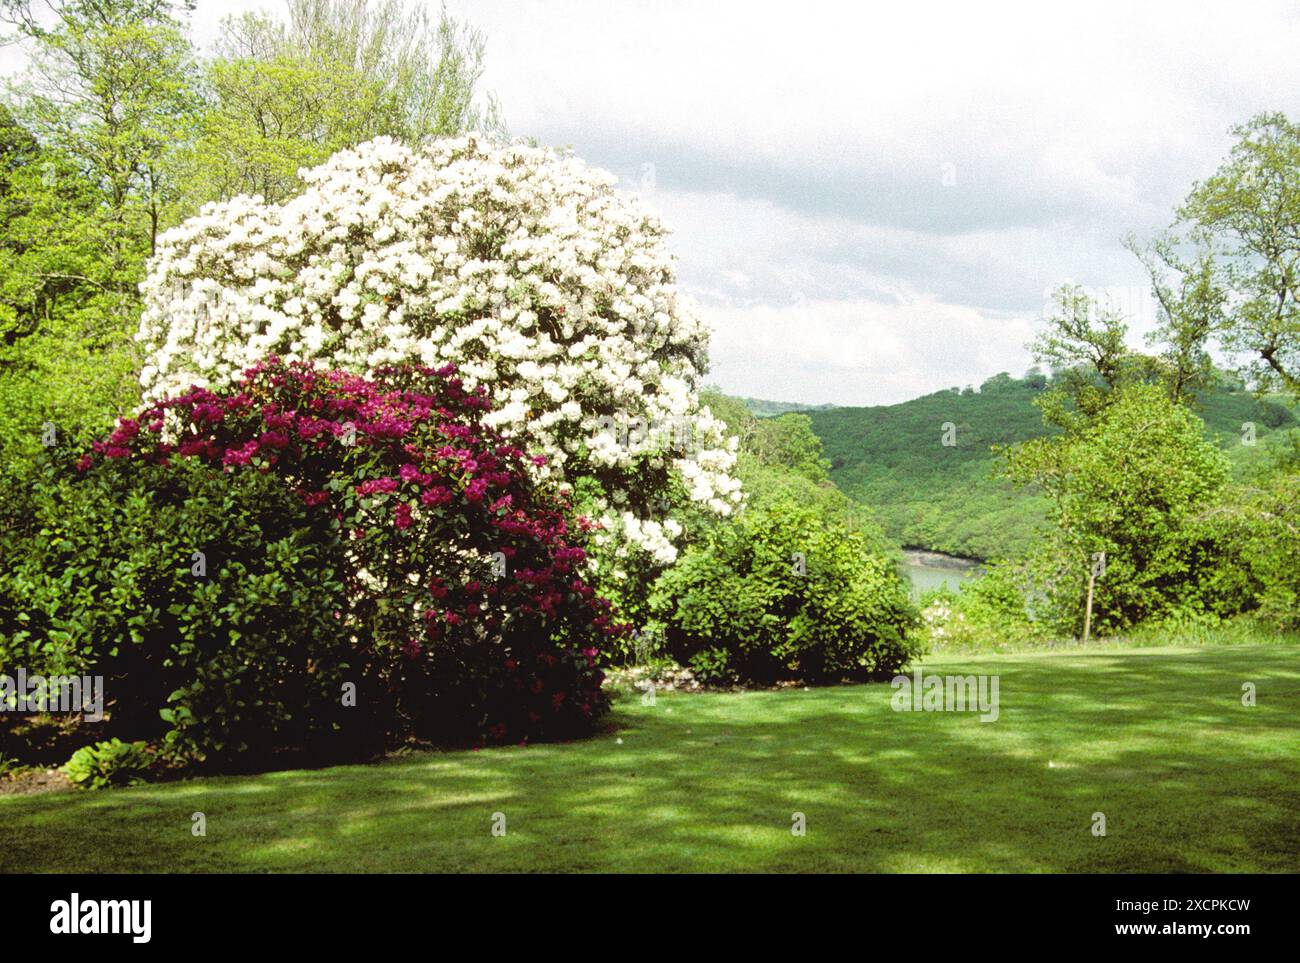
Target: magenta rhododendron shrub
(466,606)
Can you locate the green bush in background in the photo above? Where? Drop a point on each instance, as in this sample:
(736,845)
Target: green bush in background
(1140,482)
(785,591)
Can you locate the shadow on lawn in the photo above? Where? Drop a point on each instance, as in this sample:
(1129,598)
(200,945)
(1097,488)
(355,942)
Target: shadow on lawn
(1189,780)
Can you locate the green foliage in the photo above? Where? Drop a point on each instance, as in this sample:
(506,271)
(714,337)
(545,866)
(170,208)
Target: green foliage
(112,87)
(1085,342)
(926,494)
(1249,212)
(780,453)
(117,130)
(784,591)
(1261,518)
(1136,483)
(1191,307)
(800,584)
(64,306)
(109,763)
(789,442)
(989,612)
(232,664)
(285,96)
(91,179)
(786,441)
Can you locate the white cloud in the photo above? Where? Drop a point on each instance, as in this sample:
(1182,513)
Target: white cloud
(807,149)
(860,352)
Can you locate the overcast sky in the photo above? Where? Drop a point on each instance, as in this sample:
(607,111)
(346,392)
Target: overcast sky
(871,201)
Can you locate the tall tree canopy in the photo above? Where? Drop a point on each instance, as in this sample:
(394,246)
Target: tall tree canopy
(1249,209)
(284,95)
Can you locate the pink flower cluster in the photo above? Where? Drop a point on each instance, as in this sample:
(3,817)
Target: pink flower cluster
(455,547)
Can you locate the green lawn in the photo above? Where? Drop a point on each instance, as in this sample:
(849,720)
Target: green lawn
(1157,739)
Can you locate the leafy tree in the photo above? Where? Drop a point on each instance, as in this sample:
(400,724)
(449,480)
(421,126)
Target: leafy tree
(889,459)
(17,149)
(1191,308)
(1249,209)
(785,454)
(789,442)
(112,86)
(1261,517)
(89,145)
(65,310)
(429,70)
(892,461)
(116,130)
(1135,483)
(286,95)
(1085,341)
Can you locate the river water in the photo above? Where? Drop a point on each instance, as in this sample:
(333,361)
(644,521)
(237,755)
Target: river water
(929,570)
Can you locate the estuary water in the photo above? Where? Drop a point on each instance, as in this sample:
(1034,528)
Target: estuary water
(929,570)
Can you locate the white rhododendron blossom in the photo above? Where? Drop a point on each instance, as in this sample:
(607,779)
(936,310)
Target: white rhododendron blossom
(522,266)
(648,535)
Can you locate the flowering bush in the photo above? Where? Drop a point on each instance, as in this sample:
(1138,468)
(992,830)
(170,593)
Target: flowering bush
(523,267)
(463,603)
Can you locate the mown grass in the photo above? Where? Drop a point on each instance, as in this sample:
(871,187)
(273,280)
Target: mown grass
(1235,632)
(1157,739)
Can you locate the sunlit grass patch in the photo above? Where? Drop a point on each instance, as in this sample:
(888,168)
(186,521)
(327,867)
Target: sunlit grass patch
(1158,740)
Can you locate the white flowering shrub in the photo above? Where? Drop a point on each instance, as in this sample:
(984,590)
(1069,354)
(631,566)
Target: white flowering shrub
(522,266)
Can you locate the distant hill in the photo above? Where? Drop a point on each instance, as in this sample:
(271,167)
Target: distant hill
(767,409)
(927,495)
